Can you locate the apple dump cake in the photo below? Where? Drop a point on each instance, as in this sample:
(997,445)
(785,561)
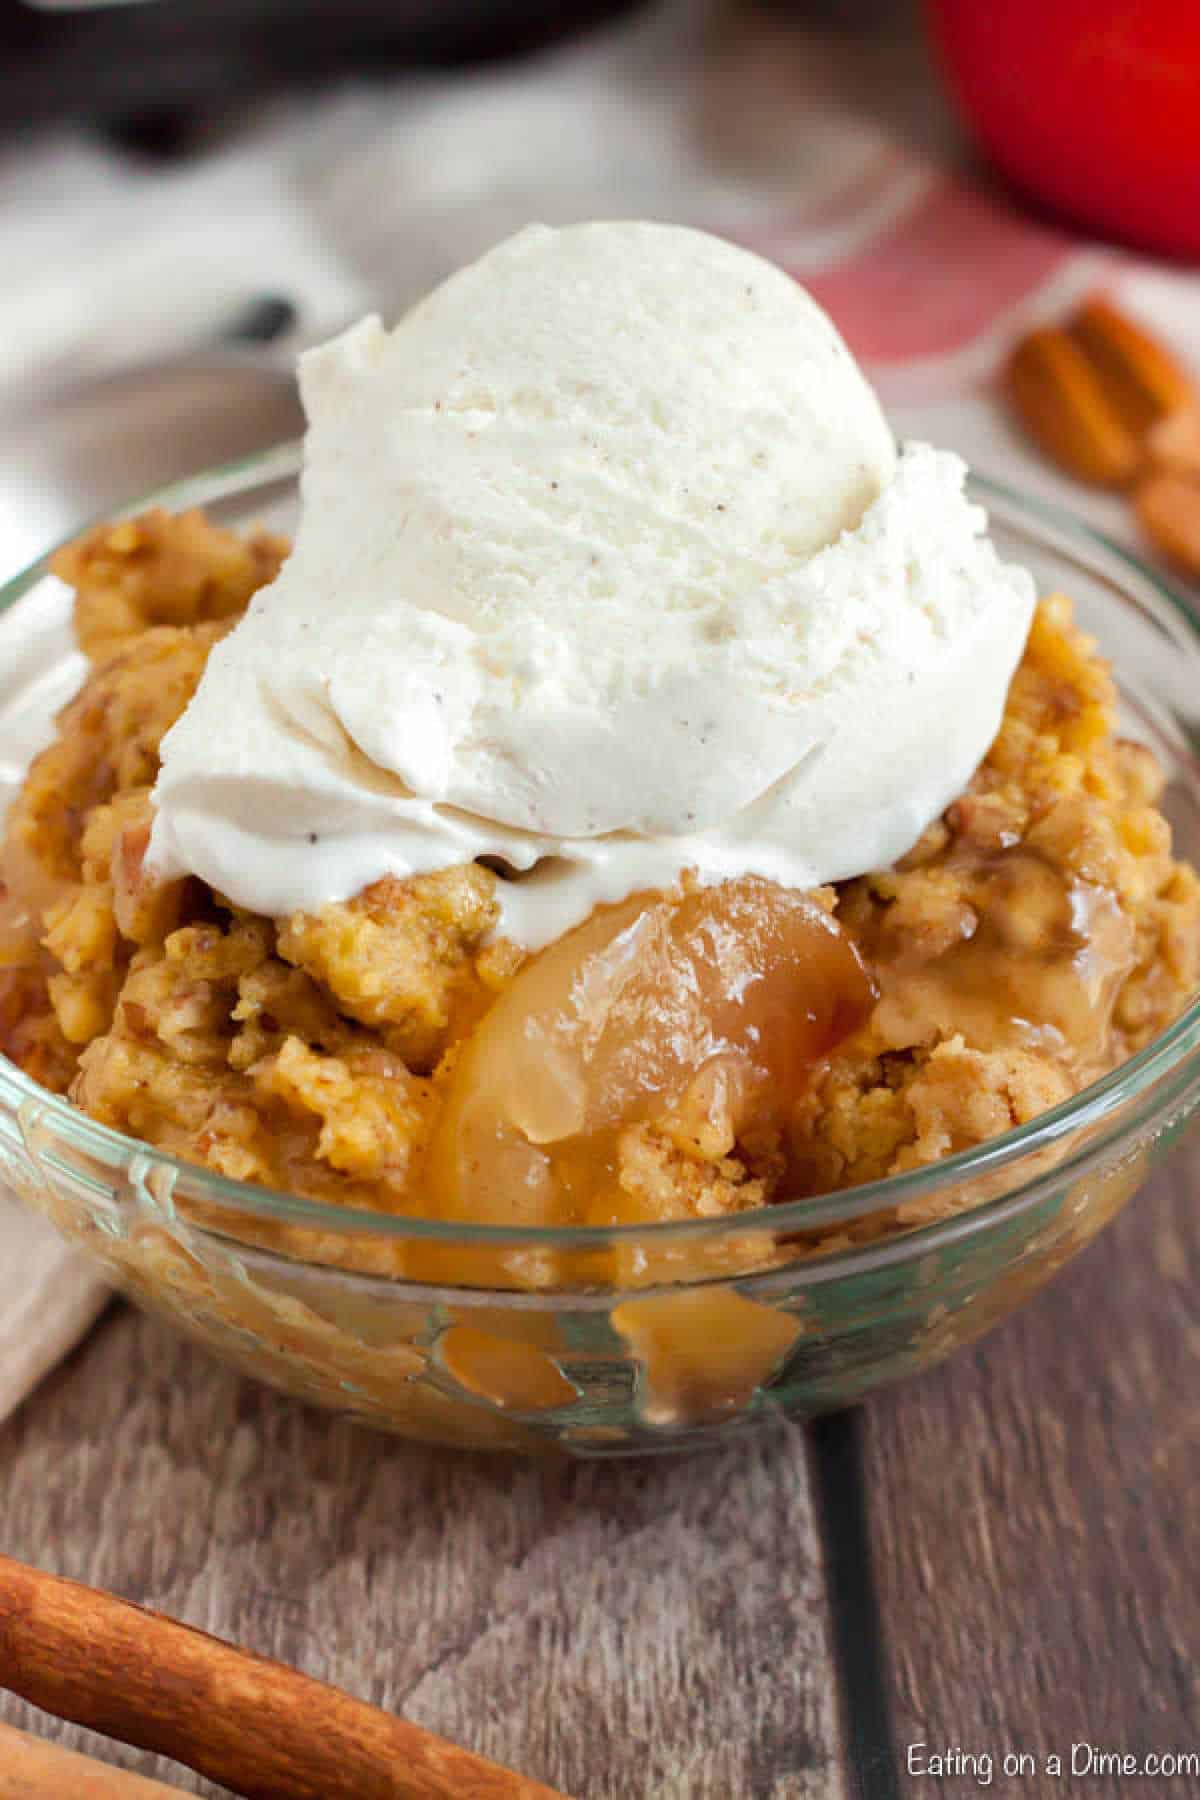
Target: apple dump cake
(641,795)
(1038,933)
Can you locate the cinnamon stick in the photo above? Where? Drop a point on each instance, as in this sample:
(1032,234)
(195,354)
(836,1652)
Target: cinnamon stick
(32,1770)
(264,1730)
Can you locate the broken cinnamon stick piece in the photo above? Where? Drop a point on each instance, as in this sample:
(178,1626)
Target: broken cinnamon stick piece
(264,1730)
(33,1770)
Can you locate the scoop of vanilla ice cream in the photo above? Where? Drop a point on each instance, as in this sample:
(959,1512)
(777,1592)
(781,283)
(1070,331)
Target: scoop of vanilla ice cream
(606,567)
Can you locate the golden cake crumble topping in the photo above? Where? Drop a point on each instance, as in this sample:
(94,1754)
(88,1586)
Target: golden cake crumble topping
(1038,934)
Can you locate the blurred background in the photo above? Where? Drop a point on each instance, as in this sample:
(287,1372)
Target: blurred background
(192,190)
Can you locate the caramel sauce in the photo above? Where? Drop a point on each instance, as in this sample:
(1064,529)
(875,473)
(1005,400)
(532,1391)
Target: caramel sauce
(499,1368)
(1040,963)
(702,1354)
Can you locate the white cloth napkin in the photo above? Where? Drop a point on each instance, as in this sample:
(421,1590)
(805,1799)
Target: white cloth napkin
(833,154)
(48,1299)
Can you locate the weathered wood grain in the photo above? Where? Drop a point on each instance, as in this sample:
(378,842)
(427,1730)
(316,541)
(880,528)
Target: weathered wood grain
(621,1631)
(1035,1518)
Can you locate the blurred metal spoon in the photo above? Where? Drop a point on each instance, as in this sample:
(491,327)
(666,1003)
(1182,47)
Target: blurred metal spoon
(73,450)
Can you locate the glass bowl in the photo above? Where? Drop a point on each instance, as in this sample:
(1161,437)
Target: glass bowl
(640,1338)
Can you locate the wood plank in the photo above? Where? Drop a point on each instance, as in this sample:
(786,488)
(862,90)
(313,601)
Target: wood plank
(1034,1517)
(624,1631)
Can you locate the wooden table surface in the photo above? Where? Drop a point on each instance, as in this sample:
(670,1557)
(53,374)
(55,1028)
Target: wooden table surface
(996,1559)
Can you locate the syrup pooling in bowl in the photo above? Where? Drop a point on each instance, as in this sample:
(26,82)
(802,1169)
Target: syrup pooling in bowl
(710,1006)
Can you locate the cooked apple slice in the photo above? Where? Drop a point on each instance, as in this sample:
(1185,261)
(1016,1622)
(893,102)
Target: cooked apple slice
(615,1022)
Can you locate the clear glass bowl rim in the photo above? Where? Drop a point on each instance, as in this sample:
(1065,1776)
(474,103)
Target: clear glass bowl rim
(1104,1101)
